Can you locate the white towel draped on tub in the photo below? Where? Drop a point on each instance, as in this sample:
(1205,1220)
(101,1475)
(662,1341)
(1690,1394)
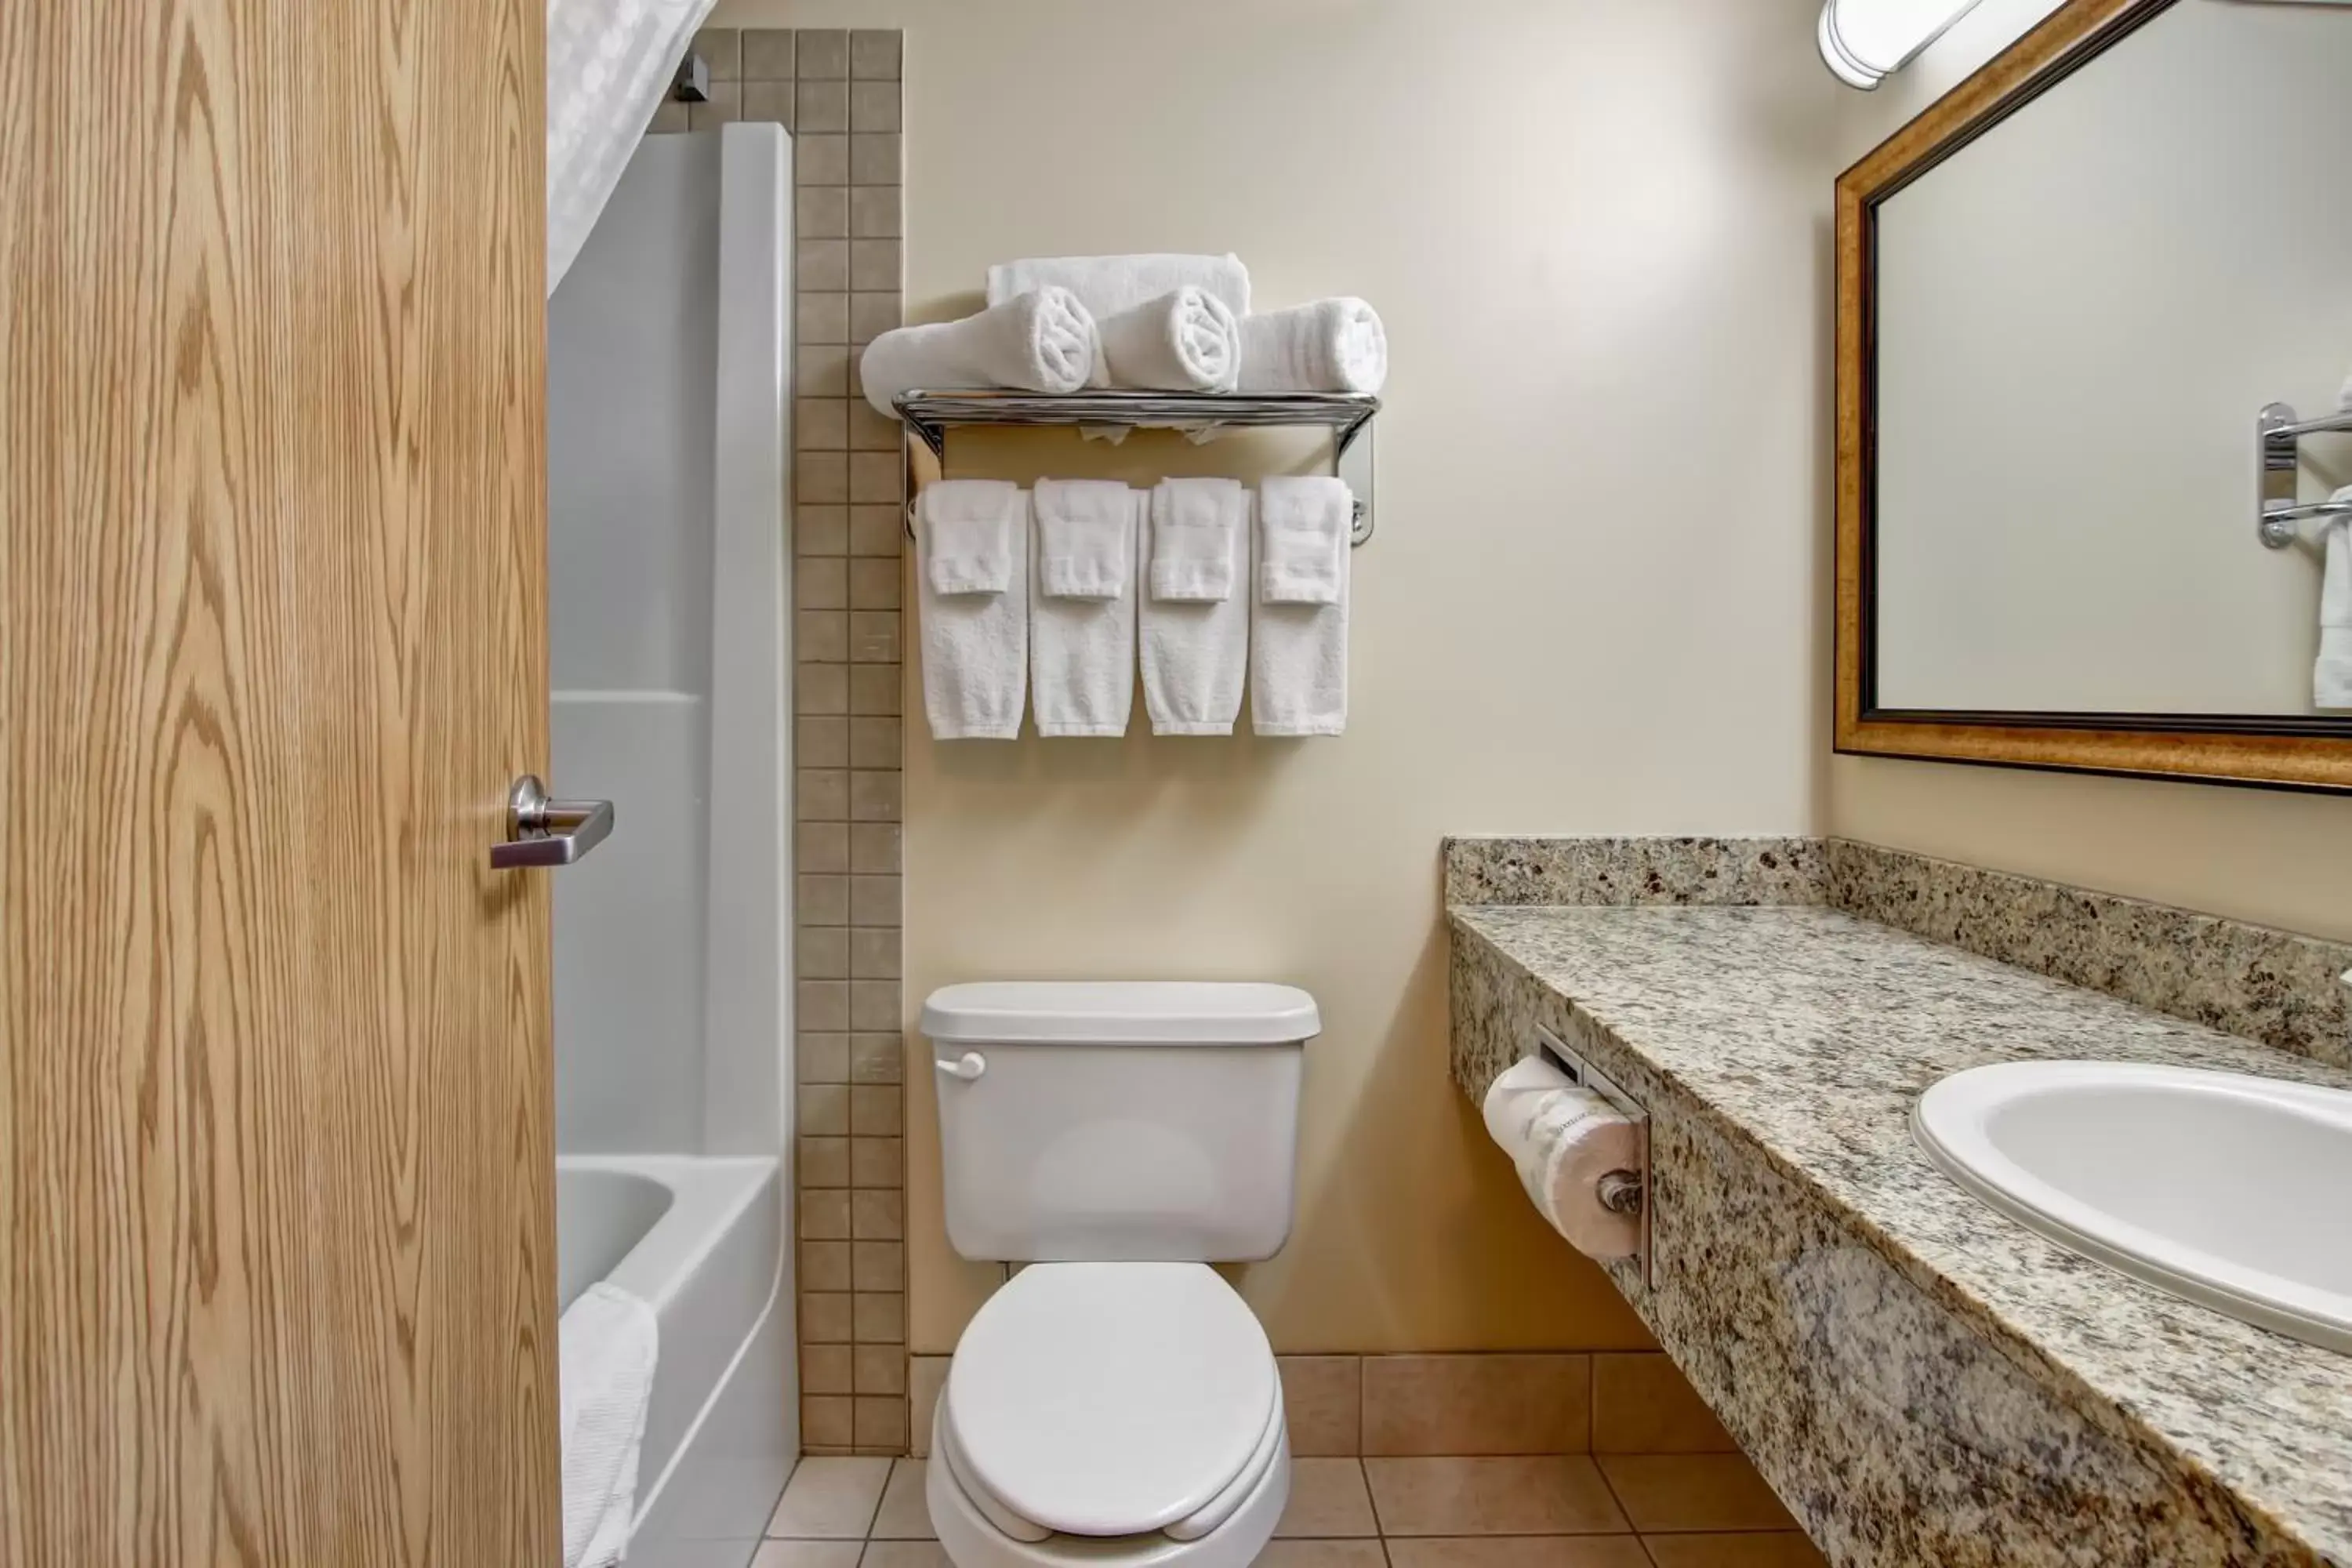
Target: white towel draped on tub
(2331,676)
(1042,340)
(605,1347)
(972,541)
(1298,616)
(1194,623)
(1185,341)
(1331,345)
(1109,284)
(1082,606)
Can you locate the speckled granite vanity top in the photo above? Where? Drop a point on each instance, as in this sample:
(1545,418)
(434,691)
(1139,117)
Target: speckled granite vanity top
(1807,1033)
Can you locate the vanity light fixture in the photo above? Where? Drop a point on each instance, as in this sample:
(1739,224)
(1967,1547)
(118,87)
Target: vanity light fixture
(1863,41)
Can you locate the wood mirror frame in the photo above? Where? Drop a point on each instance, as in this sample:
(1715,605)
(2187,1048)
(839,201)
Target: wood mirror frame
(2285,751)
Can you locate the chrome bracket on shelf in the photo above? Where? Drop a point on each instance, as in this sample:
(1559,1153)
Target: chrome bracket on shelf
(929,416)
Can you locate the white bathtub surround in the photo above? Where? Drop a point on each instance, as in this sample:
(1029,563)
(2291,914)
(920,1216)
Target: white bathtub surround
(972,541)
(1042,340)
(2331,675)
(1109,284)
(606,1344)
(1331,345)
(1186,339)
(1082,609)
(1298,616)
(608,62)
(1193,626)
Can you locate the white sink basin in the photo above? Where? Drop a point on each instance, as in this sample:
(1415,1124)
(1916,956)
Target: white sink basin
(2228,1191)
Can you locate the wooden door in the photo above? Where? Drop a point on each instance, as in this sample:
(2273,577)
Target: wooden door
(276,1276)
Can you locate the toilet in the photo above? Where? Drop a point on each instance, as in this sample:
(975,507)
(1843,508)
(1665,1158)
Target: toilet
(1115,1404)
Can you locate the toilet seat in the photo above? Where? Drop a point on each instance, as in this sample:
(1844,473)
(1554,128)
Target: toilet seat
(1111,1399)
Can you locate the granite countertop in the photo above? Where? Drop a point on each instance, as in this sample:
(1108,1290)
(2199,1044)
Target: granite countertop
(1809,1033)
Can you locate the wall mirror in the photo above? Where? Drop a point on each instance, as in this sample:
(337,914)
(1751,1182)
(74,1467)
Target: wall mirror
(2095,396)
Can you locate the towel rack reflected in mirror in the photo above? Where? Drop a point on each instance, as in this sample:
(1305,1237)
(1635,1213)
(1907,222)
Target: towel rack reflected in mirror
(929,416)
(2278,515)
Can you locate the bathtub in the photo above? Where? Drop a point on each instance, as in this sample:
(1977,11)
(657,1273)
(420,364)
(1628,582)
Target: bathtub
(702,1241)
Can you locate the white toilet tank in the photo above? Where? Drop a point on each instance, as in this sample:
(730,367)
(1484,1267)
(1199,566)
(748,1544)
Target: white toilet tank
(1118,1121)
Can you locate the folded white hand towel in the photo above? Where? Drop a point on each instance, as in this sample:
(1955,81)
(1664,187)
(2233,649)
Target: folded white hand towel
(1298,639)
(1302,544)
(605,1345)
(968,535)
(1109,284)
(1082,606)
(1196,543)
(2331,679)
(975,621)
(1185,341)
(1331,345)
(1042,340)
(1195,647)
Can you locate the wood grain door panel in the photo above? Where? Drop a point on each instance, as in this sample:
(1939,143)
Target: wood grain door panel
(275,1280)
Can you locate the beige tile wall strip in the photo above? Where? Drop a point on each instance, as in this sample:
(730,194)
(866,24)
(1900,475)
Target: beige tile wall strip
(839,93)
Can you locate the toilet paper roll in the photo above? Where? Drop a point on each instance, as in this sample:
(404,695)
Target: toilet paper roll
(1562,1140)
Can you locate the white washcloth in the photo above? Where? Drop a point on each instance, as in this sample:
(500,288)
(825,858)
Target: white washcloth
(1109,284)
(1195,548)
(2331,675)
(1195,647)
(1042,340)
(1302,544)
(605,1345)
(975,623)
(1185,341)
(1298,617)
(1082,606)
(1331,345)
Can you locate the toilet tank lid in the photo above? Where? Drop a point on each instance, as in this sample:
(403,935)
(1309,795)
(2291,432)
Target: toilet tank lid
(1120,1011)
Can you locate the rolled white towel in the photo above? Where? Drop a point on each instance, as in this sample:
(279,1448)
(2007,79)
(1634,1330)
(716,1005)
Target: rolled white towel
(1187,339)
(1109,284)
(606,1343)
(2331,675)
(1042,340)
(1331,345)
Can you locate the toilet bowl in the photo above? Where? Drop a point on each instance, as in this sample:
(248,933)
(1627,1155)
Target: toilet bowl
(1116,1403)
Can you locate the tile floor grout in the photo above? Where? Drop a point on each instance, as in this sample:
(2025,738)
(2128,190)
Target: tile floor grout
(1703,1510)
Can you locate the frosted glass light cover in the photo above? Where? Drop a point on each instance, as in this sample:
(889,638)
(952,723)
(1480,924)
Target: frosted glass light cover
(1862,40)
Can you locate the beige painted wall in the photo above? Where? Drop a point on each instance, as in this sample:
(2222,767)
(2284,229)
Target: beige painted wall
(1597,232)
(2278,858)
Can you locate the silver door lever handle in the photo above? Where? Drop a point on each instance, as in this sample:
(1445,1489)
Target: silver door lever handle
(543,832)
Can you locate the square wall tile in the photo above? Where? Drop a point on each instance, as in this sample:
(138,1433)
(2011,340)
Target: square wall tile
(1466,1405)
(827,1369)
(880,1369)
(877,1162)
(1642,1404)
(874,54)
(822,106)
(820,212)
(1322,1395)
(820,159)
(824,1162)
(767,53)
(769,101)
(882,1425)
(879,1317)
(826,1317)
(723,107)
(874,106)
(876,1057)
(827,1421)
(824,54)
(722,49)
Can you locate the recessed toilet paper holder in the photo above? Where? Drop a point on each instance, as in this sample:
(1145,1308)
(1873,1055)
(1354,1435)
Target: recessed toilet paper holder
(1622,1192)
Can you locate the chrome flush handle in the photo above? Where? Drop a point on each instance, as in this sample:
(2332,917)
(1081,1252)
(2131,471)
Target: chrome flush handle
(543,832)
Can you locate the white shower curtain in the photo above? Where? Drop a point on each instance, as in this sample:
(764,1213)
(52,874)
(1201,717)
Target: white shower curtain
(608,64)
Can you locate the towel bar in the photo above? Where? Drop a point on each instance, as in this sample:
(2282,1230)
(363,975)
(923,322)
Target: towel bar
(929,416)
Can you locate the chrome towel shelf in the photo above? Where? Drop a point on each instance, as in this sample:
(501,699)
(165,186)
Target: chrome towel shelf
(2278,516)
(929,416)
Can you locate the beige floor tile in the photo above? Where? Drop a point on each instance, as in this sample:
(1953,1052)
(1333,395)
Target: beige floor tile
(1642,1404)
(1692,1491)
(1778,1549)
(830,1499)
(1517,1551)
(808,1555)
(1321,1554)
(903,1514)
(1457,1405)
(1560,1494)
(905,1554)
(1328,1498)
(1323,1404)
